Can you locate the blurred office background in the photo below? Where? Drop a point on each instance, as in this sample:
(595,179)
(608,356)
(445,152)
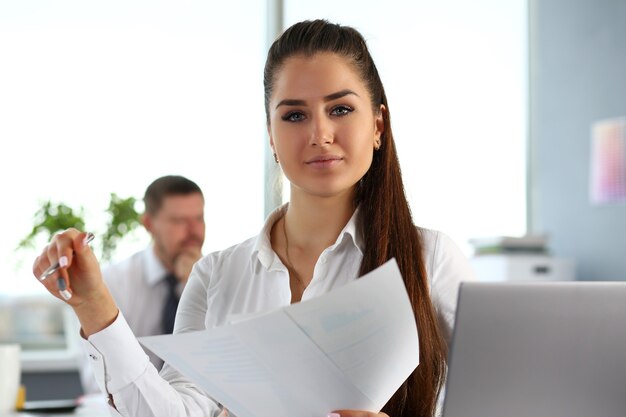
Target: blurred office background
(492,103)
(104,97)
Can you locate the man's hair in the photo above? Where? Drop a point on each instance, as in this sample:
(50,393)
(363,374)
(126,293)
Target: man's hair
(167,186)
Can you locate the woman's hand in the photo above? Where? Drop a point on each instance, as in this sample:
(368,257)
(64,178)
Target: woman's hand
(78,281)
(356,413)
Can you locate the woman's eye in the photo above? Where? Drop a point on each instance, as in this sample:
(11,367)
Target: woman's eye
(341,110)
(293,116)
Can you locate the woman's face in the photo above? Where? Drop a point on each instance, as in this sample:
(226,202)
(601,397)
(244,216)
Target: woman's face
(322,126)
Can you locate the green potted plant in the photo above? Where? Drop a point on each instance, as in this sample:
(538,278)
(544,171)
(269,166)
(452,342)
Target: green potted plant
(54,217)
(124,218)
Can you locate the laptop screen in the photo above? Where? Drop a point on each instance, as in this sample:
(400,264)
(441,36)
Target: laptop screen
(538,349)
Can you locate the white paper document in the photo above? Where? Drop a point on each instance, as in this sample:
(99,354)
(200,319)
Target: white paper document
(350,348)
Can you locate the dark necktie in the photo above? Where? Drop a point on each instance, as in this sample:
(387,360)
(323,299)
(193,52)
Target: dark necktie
(170,305)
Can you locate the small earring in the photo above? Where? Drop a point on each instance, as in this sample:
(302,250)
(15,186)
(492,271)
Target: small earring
(377,145)
(275,157)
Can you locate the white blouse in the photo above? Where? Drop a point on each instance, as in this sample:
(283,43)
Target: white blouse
(244,279)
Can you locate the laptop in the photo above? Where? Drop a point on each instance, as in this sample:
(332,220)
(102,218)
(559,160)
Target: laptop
(531,349)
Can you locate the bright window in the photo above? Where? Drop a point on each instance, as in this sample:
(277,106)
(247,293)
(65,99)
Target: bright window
(455,75)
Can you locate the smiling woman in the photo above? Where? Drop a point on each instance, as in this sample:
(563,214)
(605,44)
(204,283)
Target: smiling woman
(128,92)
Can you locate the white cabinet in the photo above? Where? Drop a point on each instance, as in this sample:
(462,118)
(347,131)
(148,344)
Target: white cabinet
(523,267)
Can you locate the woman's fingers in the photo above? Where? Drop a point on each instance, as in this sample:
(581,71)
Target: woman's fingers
(58,258)
(73,275)
(65,247)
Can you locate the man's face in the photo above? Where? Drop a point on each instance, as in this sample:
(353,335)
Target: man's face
(177,226)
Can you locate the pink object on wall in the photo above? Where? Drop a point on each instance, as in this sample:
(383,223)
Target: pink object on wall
(608,161)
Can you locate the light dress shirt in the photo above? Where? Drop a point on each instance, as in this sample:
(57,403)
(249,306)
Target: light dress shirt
(139,289)
(246,278)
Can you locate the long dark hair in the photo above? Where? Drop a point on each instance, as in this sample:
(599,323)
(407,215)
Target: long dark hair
(384,215)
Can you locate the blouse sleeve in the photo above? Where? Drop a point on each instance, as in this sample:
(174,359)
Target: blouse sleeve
(123,371)
(446,267)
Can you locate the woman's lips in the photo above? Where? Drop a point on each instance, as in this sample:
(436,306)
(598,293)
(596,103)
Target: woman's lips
(324,161)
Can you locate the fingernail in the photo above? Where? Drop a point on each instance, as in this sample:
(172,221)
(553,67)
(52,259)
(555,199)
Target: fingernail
(65,294)
(63,261)
(333,415)
(88,238)
(61,284)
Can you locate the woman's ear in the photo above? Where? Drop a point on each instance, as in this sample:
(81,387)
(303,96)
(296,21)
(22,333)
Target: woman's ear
(272,147)
(379,122)
(268,126)
(269,134)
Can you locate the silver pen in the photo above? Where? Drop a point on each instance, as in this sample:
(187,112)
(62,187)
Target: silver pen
(55,266)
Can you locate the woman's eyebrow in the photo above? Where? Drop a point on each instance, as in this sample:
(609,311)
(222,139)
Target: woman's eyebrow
(339,94)
(330,97)
(290,102)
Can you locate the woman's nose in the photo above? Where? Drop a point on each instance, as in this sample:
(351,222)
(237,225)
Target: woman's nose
(321,132)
